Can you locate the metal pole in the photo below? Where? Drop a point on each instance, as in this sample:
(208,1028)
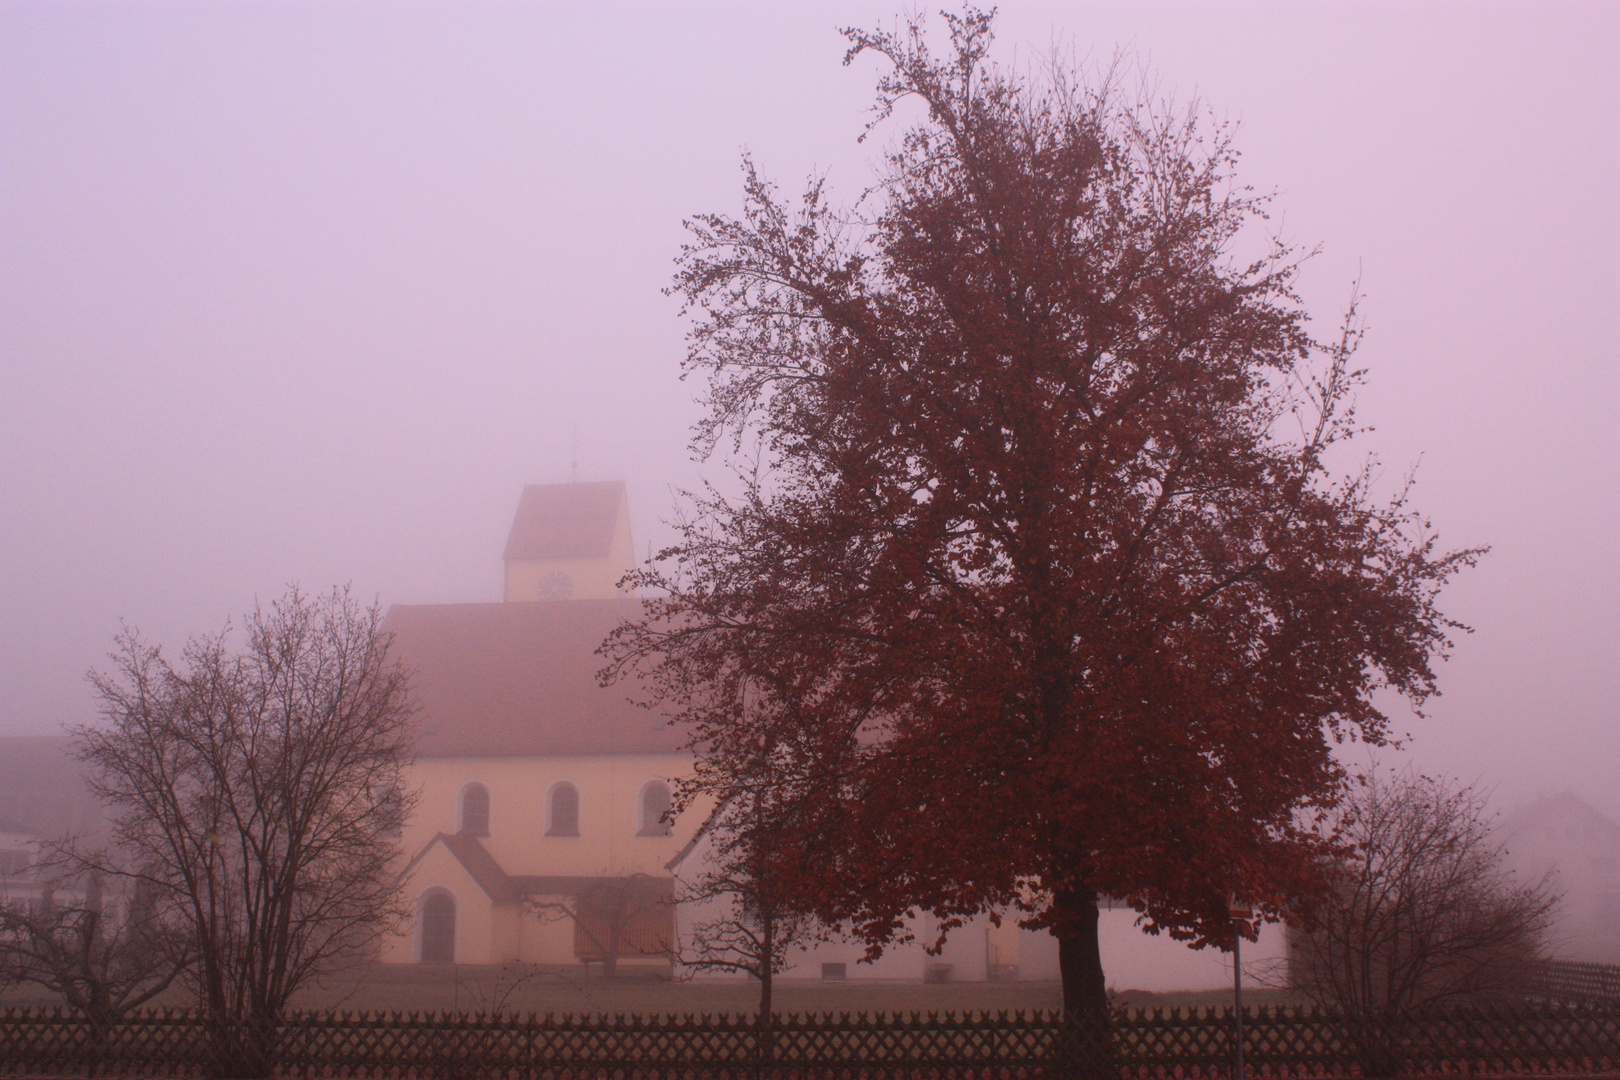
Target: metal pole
(1237,995)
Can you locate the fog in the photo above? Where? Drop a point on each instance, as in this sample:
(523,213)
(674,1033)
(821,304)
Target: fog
(306,293)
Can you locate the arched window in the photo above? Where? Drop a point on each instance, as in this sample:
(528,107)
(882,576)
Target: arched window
(438,926)
(475,810)
(655,803)
(562,811)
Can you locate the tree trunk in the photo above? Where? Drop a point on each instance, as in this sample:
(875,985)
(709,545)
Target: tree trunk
(767,963)
(764,1029)
(765,987)
(1086,1048)
(242,1048)
(1085,994)
(766,1034)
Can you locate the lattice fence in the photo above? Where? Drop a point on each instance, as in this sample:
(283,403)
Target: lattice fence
(1571,980)
(1140,1045)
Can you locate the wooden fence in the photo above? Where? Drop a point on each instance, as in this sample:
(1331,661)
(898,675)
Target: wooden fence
(1574,981)
(1548,1039)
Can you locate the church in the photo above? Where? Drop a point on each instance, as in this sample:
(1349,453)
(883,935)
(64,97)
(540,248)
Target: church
(540,833)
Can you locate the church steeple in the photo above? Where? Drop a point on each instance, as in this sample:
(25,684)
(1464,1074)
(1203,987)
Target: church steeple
(569,542)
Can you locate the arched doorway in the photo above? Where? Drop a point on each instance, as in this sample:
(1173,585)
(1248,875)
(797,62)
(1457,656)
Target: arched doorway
(438,925)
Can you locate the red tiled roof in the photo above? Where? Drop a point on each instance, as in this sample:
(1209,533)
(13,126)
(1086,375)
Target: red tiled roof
(1565,810)
(653,888)
(480,865)
(564,521)
(504,888)
(520,679)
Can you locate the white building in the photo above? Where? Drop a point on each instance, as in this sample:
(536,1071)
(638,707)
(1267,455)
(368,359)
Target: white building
(539,831)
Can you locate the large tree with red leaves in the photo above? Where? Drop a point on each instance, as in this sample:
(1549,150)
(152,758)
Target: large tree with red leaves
(1031,577)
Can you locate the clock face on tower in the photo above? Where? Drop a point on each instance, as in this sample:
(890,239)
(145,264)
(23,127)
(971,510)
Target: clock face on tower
(556,586)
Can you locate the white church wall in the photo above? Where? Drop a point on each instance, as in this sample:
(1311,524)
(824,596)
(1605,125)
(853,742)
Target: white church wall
(1132,959)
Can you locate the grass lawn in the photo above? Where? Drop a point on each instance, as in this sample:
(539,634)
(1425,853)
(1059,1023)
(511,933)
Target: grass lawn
(527,988)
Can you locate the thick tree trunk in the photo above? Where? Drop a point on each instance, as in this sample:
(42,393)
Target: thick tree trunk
(1087,1046)
(1085,994)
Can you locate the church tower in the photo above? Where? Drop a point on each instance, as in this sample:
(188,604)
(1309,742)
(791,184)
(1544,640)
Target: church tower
(569,542)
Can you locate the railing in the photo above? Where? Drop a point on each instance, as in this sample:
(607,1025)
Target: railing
(1157,1044)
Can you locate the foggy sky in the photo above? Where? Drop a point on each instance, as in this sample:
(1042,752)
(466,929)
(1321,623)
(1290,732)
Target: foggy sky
(308,292)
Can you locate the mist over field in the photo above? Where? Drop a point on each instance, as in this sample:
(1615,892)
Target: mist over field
(300,293)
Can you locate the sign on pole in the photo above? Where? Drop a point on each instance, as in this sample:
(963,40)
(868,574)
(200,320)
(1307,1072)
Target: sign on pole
(1240,911)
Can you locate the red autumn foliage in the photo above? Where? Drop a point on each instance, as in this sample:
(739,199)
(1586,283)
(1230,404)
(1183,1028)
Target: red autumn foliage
(1031,569)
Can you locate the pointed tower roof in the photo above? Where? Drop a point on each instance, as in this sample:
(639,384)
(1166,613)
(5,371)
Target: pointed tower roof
(565,521)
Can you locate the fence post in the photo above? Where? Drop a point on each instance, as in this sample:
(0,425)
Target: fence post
(240,1049)
(764,1045)
(1237,999)
(1084,1047)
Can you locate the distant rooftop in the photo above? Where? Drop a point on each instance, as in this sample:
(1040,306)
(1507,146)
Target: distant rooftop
(565,521)
(43,789)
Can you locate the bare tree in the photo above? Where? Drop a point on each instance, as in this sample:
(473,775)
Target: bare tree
(103,955)
(1422,911)
(255,795)
(750,919)
(615,917)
